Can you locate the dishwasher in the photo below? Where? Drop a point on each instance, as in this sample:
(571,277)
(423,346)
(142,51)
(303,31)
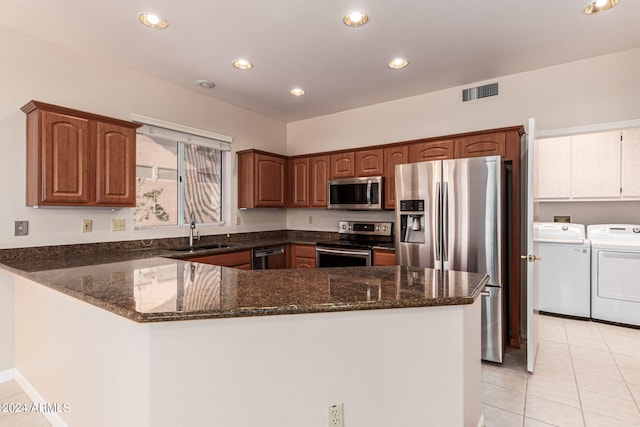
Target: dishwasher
(268,258)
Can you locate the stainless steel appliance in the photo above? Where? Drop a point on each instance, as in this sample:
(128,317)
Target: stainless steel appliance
(356,193)
(267,258)
(449,217)
(355,245)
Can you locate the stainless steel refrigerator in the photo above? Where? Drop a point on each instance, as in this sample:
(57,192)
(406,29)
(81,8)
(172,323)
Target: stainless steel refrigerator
(449,217)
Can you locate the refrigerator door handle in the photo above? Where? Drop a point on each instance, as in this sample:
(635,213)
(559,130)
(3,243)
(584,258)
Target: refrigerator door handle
(445,221)
(438,220)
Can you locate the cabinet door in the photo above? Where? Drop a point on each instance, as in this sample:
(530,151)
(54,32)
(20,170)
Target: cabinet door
(303,256)
(595,160)
(431,150)
(319,177)
(382,257)
(66,160)
(393,156)
(631,162)
(115,165)
(552,169)
(270,181)
(488,144)
(370,162)
(299,182)
(343,165)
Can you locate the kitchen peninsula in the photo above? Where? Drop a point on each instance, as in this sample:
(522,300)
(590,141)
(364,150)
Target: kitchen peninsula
(182,343)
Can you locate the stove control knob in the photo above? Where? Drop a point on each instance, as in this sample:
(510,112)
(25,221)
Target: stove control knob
(377,228)
(636,230)
(344,226)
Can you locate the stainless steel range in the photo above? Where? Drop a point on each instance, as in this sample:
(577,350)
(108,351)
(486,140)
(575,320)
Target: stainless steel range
(355,245)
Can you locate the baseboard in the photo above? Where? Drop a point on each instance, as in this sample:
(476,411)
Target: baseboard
(53,417)
(7,375)
(481,421)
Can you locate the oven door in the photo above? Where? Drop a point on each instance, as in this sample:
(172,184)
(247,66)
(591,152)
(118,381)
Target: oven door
(332,257)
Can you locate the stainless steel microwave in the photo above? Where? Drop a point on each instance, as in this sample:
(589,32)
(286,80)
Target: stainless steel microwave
(356,193)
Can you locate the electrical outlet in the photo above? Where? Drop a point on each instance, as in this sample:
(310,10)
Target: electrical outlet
(118,224)
(336,418)
(86,226)
(21,228)
(238,221)
(310,219)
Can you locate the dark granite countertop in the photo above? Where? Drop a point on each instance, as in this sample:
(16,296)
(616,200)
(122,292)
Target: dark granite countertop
(144,287)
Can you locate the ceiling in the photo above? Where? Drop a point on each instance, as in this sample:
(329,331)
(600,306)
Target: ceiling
(305,43)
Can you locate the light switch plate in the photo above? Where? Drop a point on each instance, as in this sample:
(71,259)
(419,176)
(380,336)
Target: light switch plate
(21,228)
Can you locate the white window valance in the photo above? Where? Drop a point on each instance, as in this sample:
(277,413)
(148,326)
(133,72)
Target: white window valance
(167,130)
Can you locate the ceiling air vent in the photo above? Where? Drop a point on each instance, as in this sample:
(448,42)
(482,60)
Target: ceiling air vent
(479,92)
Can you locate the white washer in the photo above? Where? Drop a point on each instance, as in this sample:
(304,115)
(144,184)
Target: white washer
(564,273)
(615,272)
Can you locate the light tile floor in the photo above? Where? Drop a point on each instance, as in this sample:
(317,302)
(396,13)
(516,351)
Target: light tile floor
(12,393)
(587,374)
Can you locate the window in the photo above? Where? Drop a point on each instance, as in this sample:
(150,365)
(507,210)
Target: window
(178,175)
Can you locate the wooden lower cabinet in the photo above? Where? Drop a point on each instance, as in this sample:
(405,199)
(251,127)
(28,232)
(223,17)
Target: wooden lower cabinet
(302,256)
(384,257)
(240,259)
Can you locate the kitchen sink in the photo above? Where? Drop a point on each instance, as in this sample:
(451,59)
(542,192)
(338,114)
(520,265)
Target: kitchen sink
(200,248)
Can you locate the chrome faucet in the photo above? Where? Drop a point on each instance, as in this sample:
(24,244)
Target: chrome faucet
(192,217)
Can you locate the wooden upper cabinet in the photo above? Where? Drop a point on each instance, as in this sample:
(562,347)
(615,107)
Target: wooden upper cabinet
(261,179)
(115,165)
(393,156)
(318,180)
(370,162)
(488,144)
(343,165)
(299,175)
(75,158)
(431,150)
(64,165)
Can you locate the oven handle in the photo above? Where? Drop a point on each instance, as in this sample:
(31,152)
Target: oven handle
(364,253)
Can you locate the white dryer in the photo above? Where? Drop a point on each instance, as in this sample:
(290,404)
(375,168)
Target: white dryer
(564,273)
(615,272)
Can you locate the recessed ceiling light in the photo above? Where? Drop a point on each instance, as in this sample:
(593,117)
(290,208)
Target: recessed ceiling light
(242,64)
(296,91)
(153,21)
(355,18)
(398,63)
(206,84)
(598,6)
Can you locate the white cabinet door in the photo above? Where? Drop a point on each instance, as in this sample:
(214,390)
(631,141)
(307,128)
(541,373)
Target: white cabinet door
(595,165)
(553,168)
(631,163)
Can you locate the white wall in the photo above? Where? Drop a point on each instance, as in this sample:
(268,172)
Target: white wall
(34,69)
(596,90)
(589,213)
(7,321)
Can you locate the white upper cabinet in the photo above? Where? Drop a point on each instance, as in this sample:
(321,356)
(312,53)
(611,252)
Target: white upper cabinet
(631,163)
(598,166)
(553,168)
(595,165)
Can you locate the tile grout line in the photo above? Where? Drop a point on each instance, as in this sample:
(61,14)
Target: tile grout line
(624,379)
(575,377)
